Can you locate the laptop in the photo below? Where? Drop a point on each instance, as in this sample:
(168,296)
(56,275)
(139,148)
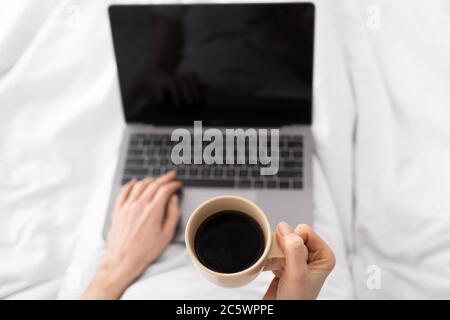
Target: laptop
(222,67)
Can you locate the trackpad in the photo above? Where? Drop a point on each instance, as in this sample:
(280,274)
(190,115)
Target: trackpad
(193,197)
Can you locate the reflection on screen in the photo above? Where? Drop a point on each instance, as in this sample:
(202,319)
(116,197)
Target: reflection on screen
(223,64)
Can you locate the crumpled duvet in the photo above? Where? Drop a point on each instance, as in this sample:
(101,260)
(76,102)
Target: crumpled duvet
(381,135)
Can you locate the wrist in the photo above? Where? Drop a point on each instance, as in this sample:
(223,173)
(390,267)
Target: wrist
(111,279)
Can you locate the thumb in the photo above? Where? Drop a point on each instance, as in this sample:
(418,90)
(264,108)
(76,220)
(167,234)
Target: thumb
(293,248)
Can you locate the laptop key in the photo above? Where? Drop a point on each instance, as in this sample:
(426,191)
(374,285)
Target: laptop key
(298,154)
(208,183)
(205,172)
(258,184)
(136,172)
(295,143)
(244,184)
(290,173)
(256,173)
(271,184)
(230,172)
(284,184)
(284,153)
(135,162)
(165,169)
(291,164)
(135,152)
(134,142)
(125,180)
(298,184)
(243,172)
(181,171)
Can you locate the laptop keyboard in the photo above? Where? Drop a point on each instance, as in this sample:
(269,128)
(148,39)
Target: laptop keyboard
(149,156)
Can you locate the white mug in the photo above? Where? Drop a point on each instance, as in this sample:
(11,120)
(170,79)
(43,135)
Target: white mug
(233,203)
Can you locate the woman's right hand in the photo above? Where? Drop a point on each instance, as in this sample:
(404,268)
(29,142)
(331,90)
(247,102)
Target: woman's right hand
(143,224)
(298,278)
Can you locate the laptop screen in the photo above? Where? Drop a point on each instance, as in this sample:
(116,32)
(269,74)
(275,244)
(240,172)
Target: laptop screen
(224,64)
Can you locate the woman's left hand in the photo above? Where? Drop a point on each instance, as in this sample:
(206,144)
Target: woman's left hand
(144,222)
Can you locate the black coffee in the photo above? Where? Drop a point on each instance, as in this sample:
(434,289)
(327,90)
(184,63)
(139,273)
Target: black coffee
(229,242)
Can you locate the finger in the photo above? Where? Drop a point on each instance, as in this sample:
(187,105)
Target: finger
(278,264)
(161,199)
(124,193)
(292,245)
(271,293)
(148,194)
(138,188)
(185,89)
(320,254)
(172,216)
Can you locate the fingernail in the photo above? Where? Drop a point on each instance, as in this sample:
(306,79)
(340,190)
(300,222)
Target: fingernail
(285,228)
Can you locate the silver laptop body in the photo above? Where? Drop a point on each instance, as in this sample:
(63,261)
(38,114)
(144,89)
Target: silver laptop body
(145,145)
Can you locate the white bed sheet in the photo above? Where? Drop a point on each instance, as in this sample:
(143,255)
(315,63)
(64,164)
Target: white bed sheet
(60,126)
(61,122)
(401,78)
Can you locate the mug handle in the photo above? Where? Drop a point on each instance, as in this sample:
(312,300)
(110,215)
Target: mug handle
(276,252)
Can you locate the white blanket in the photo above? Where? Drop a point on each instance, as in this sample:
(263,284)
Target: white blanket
(60,126)
(401,78)
(380,126)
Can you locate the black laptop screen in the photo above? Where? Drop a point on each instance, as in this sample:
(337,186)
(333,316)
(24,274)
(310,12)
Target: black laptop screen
(224,64)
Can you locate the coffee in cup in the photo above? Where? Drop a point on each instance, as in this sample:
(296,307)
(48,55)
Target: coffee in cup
(229,241)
